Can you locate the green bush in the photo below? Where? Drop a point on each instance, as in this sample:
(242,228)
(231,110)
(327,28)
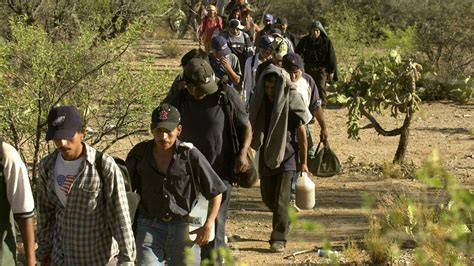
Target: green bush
(440,234)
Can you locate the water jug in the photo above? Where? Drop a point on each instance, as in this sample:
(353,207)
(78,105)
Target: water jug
(197,216)
(305,192)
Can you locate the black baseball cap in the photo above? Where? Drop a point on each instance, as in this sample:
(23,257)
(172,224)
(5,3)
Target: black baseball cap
(63,123)
(200,73)
(292,62)
(265,41)
(165,116)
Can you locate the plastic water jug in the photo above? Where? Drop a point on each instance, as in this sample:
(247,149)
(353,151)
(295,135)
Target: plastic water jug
(197,217)
(305,192)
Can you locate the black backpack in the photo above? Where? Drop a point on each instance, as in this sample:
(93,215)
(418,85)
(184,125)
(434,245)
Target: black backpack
(132,196)
(249,178)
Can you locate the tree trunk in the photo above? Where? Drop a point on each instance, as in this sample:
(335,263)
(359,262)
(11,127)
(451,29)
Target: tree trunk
(403,143)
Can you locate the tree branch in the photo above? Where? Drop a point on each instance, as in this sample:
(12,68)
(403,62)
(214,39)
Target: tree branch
(378,127)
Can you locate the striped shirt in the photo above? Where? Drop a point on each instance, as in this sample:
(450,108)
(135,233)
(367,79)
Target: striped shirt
(94,226)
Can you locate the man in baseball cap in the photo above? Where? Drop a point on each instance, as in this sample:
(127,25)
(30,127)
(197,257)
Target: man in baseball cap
(63,123)
(267,19)
(225,64)
(200,79)
(305,85)
(69,175)
(166,117)
(169,204)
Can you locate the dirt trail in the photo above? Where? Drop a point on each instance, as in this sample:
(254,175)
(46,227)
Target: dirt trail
(443,126)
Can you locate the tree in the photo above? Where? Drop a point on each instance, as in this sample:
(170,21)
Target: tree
(385,83)
(37,73)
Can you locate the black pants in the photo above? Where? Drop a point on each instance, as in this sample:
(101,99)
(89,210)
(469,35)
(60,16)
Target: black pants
(275,192)
(319,75)
(219,240)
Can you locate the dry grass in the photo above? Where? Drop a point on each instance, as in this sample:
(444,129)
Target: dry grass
(353,253)
(172,49)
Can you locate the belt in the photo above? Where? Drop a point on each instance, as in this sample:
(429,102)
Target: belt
(187,219)
(167,218)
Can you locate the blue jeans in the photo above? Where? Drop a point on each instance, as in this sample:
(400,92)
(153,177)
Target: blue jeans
(159,241)
(219,240)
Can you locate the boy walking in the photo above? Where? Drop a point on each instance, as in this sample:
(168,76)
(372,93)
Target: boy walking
(83,218)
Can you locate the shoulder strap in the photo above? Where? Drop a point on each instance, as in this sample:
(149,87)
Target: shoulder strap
(253,61)
(98,165)
(189,167)
(227,107)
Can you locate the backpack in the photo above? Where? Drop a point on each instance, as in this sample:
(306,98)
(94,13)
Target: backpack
(250,177)
(133,197)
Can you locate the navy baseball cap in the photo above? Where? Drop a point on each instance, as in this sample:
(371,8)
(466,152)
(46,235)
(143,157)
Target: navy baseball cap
(265,41)
(165,116)
(292,62)
(268,17)
(63,123)
(219,44)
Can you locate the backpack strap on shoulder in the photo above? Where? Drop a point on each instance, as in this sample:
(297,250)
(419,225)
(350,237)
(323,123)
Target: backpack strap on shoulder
(186,148)
(98,164)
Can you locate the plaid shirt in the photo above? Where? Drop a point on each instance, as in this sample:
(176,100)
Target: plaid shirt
(94,225)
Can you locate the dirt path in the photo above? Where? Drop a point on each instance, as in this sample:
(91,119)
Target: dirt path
(443,126)
(446,127)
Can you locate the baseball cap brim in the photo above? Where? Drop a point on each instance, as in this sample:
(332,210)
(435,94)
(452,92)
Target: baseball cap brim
(170,126)
(208,88)
(60,134)
(224,52)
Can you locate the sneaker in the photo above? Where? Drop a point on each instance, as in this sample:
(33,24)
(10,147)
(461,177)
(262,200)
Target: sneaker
(293,205)
(277,247)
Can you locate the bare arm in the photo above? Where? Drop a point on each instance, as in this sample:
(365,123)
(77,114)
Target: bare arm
(28,235)
(318,113)
(303,147)
(228,68)
(241,165)
(203,233)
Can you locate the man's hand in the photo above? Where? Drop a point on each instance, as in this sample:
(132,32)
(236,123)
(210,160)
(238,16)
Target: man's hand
(241,164)
(202,234)
(225,63)
(323,135)
(304,168)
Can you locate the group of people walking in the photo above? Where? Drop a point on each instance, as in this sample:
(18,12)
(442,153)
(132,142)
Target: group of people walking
(261,85)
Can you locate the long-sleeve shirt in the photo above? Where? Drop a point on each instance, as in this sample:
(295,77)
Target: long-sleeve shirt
(94,226)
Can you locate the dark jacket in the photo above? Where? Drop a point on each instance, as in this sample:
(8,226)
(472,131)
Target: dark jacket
(318,51)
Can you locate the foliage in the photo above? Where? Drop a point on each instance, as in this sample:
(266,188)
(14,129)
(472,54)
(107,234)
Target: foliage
(438,232)
(436,87)
(402,40)
(379,84)
(376,244)
(39,74)
(63,19)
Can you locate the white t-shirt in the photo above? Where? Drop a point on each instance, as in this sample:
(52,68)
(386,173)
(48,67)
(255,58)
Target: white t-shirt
(64,174)
(303,87)
(17,183)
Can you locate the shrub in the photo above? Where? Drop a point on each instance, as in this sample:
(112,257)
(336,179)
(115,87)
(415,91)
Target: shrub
(440,234)
(172,49)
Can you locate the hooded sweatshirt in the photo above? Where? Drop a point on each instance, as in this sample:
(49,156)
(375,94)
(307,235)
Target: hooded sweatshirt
(287,99)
